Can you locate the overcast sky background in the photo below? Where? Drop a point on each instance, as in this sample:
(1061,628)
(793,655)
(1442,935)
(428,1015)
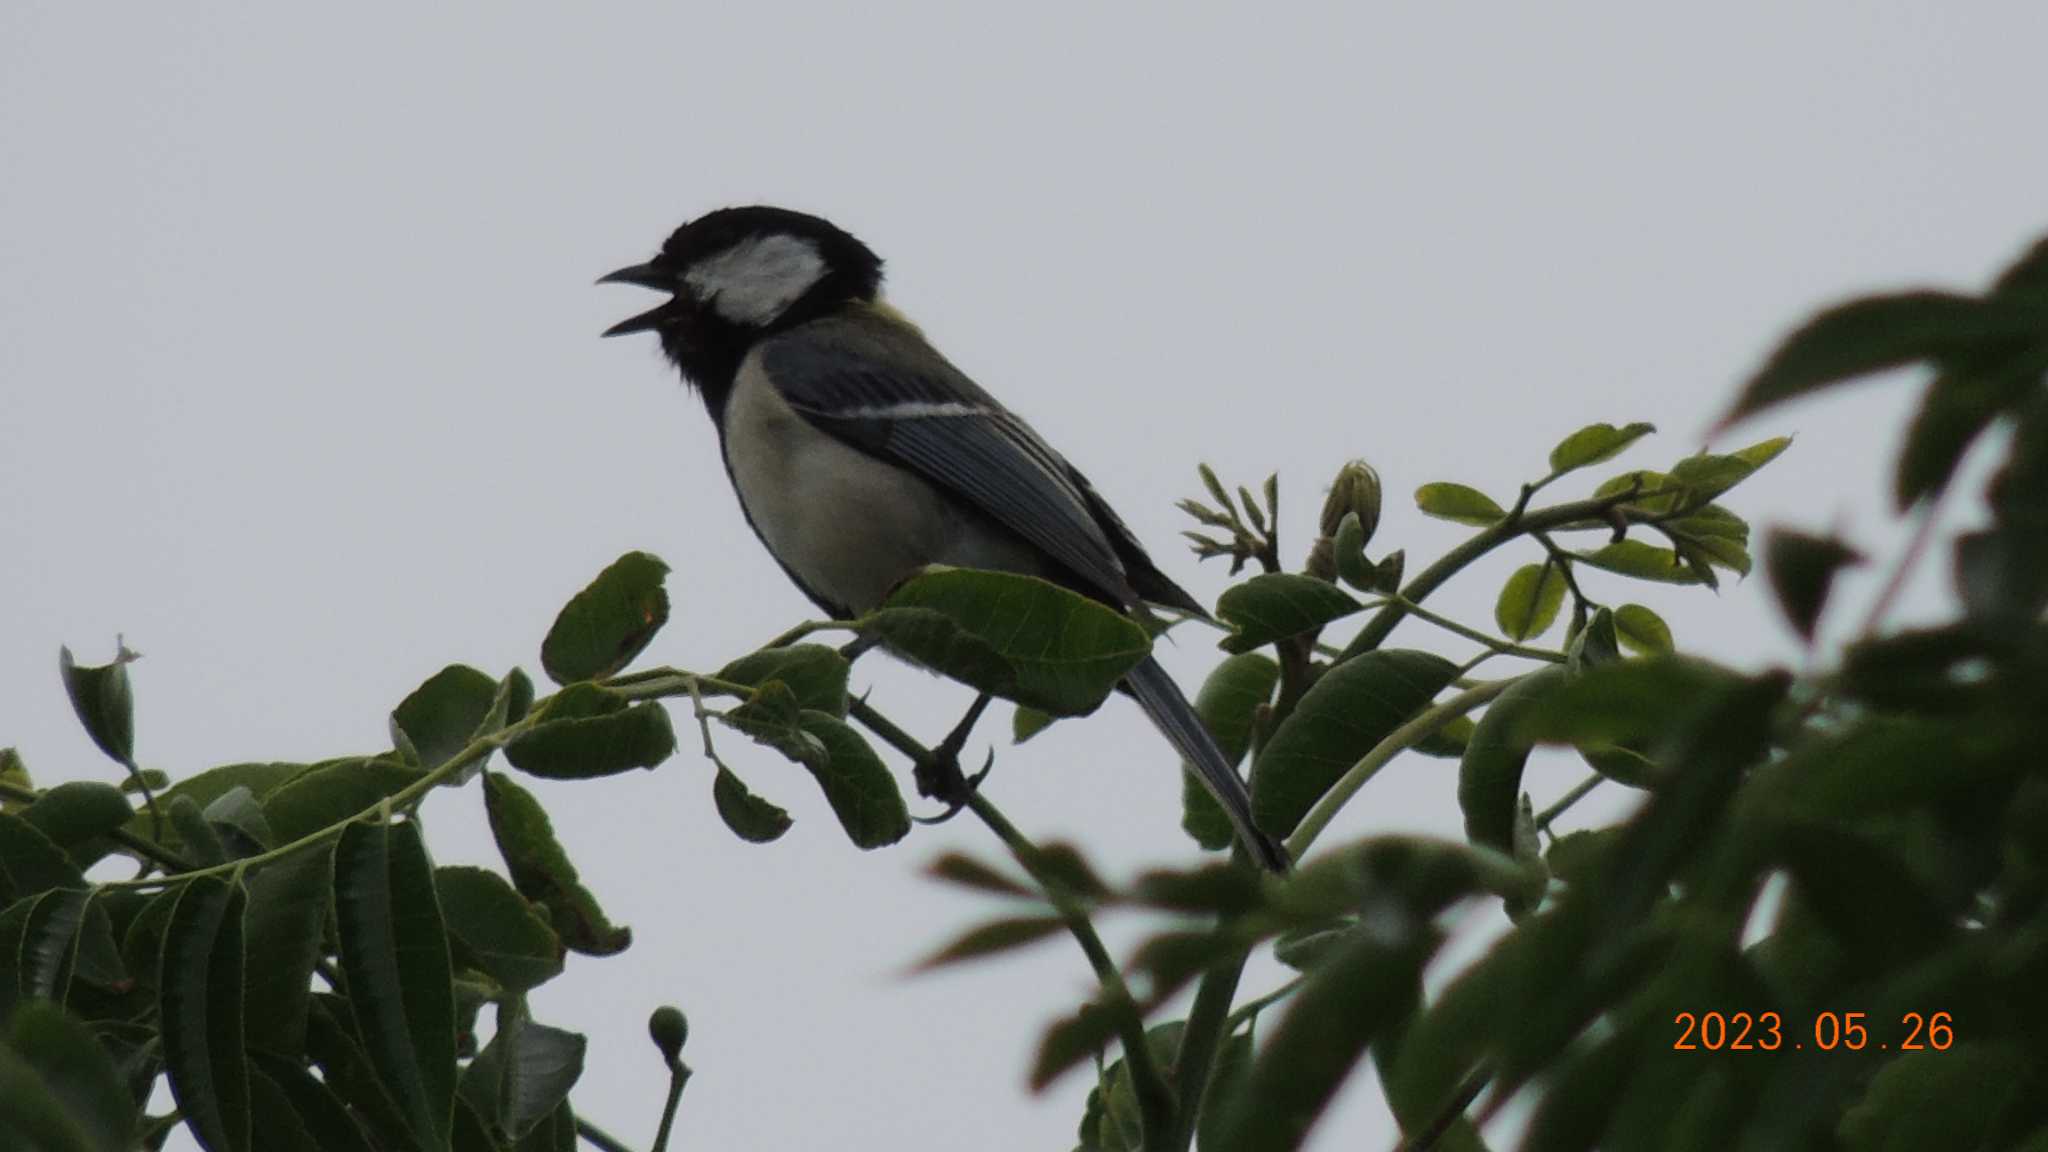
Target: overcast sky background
(303,393)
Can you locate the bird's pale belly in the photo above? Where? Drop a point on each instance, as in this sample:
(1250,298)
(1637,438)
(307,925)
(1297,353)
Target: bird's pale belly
(850,527)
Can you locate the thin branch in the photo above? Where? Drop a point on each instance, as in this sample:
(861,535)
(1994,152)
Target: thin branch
(1155,1102)
(1209,1020)
(1929,513)
(476,750)
(1251,1008)
(598,1138)
(678,1079)
(1496,644)
(1564,803)
(1578,513)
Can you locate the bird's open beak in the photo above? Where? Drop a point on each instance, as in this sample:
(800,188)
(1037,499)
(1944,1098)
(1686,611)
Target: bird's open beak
(644,276)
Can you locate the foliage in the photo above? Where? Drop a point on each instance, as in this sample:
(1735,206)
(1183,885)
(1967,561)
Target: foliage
(1825,924)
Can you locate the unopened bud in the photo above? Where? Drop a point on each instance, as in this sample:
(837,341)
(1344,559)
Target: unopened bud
(1356,491)
(669,1029)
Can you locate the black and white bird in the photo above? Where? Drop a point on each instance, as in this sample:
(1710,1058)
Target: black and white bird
(861,455)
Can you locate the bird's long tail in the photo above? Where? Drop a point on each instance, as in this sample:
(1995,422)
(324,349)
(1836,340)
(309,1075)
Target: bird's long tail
(1161,699)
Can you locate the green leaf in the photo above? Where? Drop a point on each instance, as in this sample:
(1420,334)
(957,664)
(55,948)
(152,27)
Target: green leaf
(95,958)
(1930,1099)
(1365,987)
(288,905)
(1642,561)
(1874,334)
(1019,637)
(332,1044)
(1123,1120)
(100,695)
(394,954)
(815,673)
(1863,893)
(1706,476)
(212,784)
(587,732)
(1722,735)
(272,1114)
(77,815)
(857,785)
(1227,1079)
(1490,775)
(442,715)
(200,1012)
(1027,722)
(1228,703)
(313,1105)
(13,771)
(773,718)
(195,835)
(1386,575)
(541,870)
(1351,709)
(751,818)
(1304,948)
(30,862)
(524,1073)
(1656,494)
(1642,631)
(1450,741)
(1621,765)
(1456,502)
(58,1090)
(1598,642)
(1625,703)
(494,929)
(333,792)
(1347,552)
(1763,451)
(46,938)
(1279,605)
(1593,444)
(994,938)
(1577,857)
(2026,276)
(1530,600)
(1802,569)
(604,626)
(1074,1038)
(967,872)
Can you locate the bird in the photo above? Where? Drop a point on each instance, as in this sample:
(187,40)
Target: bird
(861,455)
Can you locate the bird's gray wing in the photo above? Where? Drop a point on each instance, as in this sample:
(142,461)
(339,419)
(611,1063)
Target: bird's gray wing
(875,383)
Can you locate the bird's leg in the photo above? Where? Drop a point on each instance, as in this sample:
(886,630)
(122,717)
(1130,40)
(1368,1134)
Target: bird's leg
(940,777)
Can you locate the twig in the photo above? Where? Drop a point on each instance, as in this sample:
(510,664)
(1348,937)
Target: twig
(1894,584)
(475,750)
(598,1138)
(1578,513)
(1155,1102)
(1564,802)
(678,1079)
(1498,645)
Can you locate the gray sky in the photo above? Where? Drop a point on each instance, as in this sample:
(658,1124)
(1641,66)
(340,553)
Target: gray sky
(303,392)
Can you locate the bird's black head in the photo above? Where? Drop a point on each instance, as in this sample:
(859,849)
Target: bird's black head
(738,274)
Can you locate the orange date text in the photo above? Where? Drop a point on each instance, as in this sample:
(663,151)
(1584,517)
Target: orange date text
(1826,1032)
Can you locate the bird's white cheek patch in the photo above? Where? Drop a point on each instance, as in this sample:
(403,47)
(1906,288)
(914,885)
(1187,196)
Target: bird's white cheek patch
(756,280)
